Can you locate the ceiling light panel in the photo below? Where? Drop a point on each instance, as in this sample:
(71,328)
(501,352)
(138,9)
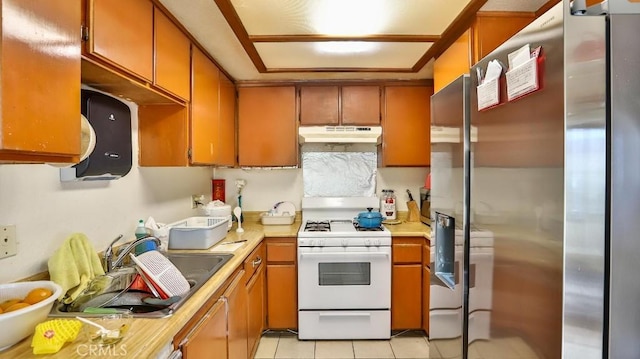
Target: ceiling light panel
(347,17)
(341,54)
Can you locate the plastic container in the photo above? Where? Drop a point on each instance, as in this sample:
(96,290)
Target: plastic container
(268,219)
(20,323)
(388,204)
(141,232)
(197,232)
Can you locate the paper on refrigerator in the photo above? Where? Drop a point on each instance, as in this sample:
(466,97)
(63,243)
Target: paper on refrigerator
(489,88)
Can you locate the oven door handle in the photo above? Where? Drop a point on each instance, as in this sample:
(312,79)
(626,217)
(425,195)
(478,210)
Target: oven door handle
(329,315)
(334,254)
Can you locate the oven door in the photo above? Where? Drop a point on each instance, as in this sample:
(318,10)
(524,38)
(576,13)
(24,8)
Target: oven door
(344,278)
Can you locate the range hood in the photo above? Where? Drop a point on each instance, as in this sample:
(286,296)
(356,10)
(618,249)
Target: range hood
(340,134)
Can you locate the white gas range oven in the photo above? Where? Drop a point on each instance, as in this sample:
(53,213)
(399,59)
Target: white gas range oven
(344,272)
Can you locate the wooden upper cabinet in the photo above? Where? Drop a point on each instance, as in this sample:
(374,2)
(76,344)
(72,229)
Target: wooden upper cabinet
(360,105)
(339,105)
(267,133)
(406,137)
(172,57)
(453,63)
(204,109)
(40,85)
(226,149)
(491,30)
(319,105)
(488,31)
(121,33)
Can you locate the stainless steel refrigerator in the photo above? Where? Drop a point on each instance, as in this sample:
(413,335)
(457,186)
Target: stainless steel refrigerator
(552,198)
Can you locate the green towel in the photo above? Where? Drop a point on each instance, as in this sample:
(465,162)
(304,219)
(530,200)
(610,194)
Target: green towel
(74,265)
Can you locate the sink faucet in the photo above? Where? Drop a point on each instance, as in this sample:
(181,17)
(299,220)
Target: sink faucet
(111,264)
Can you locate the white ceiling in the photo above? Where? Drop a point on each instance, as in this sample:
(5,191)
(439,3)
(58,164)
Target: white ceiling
(204,20)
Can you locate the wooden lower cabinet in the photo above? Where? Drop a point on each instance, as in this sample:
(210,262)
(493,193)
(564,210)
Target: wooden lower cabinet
(255,266)
(209,340)
(406,283)
(426,284)
(237,318)
(221,331)
(282,283)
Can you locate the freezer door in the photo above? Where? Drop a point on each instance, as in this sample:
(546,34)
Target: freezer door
(517,180)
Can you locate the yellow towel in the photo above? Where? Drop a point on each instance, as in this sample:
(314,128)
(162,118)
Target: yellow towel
(73,265)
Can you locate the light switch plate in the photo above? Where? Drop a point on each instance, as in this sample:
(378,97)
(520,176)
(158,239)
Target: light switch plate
(8,245)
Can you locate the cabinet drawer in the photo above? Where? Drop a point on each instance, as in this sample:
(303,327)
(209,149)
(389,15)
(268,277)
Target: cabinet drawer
(407,250)
(254,261)
(426,254)
(281,251)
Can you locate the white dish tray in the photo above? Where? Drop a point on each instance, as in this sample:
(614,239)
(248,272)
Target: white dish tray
(268,220)
(197,232)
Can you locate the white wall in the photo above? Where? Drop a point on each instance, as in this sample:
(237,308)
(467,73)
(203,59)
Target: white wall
(266,187)
(46,211)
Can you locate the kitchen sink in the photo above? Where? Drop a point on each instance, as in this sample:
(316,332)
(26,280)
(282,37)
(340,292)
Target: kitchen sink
(197,268)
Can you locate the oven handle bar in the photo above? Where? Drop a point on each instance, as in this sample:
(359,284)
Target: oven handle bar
(333,254)
(344,315)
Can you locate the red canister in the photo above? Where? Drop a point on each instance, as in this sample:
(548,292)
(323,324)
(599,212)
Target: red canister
(217,190)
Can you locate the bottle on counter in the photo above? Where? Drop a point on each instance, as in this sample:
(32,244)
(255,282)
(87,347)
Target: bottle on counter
(388,204)
(141,232)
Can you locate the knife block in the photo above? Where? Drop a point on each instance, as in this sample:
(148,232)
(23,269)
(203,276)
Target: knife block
(414,212)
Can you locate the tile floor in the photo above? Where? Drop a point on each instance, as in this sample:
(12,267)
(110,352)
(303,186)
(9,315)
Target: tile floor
(284,345)
(409,345)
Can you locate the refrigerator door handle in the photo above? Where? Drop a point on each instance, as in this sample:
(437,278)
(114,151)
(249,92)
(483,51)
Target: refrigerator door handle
(445,250)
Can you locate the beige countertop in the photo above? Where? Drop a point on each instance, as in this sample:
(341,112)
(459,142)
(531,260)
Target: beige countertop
(149,337)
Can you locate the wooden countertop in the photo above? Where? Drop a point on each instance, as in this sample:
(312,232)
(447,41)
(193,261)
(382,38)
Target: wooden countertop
(150,337)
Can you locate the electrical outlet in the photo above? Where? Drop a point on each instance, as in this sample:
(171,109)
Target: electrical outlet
(197,200)
(8,246)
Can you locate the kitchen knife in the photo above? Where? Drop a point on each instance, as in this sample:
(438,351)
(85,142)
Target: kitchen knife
(410,196)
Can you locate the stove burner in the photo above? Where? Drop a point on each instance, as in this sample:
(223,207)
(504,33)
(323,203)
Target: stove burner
(317,226)
(369,229)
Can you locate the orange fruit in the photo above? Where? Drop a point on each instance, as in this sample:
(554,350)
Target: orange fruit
(17,306)
(36,295)
(7,303)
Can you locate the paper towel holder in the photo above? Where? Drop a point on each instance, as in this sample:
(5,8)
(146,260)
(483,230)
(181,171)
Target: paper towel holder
(112,155)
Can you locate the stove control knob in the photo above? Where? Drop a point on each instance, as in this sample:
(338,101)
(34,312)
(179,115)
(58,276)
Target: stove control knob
(367,242)
(378,242)
(312,242)
(345,242)
(321,242)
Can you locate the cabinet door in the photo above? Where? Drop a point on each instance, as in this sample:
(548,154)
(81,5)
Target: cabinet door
(319,105)
(407,128)
(490,31)
(255,309)
(426,283)
(282,296)
(360,105)
(453,62)
(406,296)
(267,126)
(226,149)
(237,318)
(121,33)
(209,339)
(204,109)
(40,84)
(172,57)
(163,132)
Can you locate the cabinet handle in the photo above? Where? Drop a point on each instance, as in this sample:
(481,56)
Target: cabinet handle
(256,262)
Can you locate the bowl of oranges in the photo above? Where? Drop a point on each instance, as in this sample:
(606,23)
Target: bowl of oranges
(22,306)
